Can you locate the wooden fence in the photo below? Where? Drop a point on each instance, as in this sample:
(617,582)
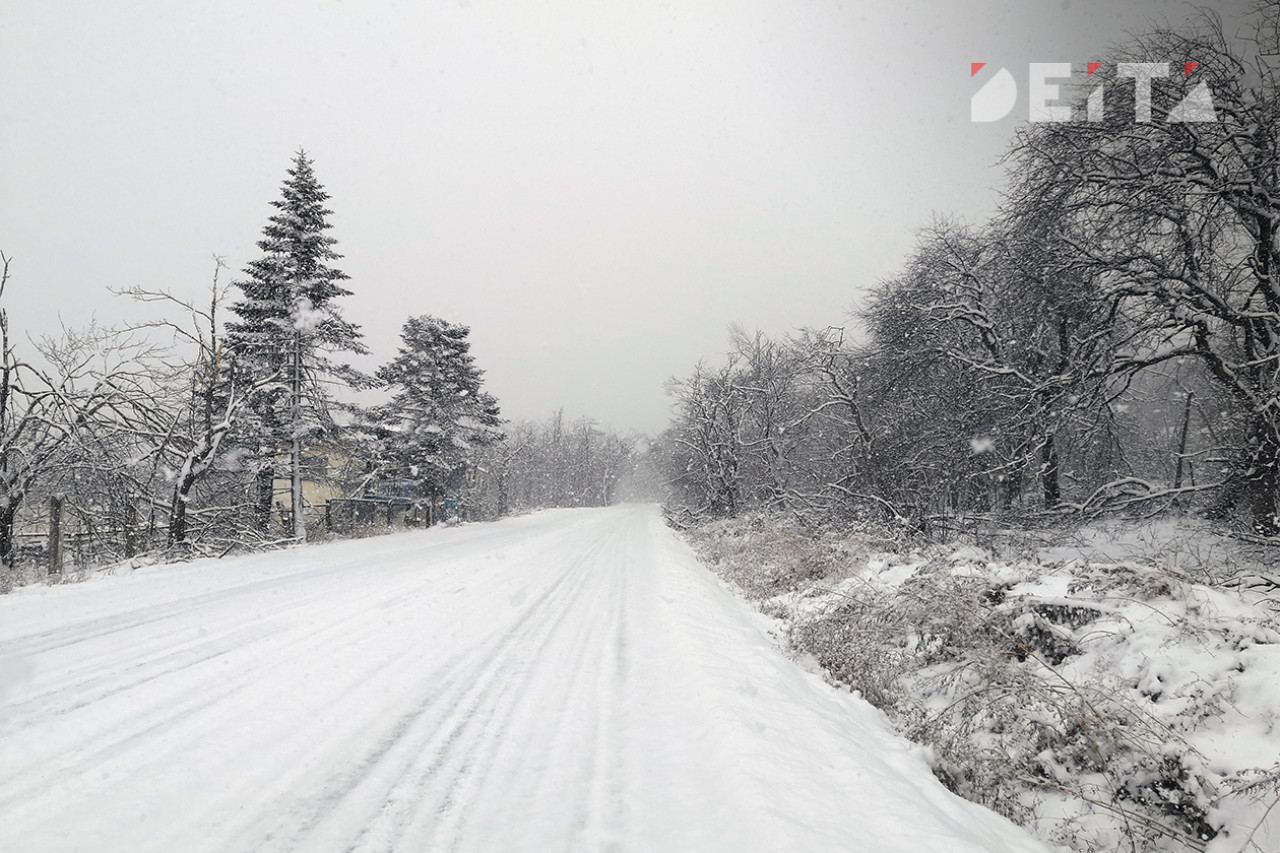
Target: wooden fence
(345,515)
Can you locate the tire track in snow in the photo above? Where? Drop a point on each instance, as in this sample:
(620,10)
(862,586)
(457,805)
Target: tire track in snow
(154,653)
(180,709)
(449,723)
(256,650)
(435,802)
(303,578)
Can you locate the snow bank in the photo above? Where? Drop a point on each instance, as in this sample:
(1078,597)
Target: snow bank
(1092,690)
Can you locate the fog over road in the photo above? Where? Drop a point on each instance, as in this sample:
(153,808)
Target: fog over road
(571,680)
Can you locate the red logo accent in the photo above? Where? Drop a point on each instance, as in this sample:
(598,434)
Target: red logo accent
(1093,66)
(1188,67)
(975,67)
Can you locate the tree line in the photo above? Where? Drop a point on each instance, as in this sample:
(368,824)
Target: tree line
(203,424)
(1109,338)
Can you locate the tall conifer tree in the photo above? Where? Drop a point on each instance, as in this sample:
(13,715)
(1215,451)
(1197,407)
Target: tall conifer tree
(288,327)
(438,415)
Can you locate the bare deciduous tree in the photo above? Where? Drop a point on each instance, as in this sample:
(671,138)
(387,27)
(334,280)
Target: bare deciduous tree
(1182,221)
(68,398)
(204,394)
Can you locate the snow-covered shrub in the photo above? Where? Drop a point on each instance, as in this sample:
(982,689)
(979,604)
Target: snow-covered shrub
(766,556)
(1106,703)
(10,578)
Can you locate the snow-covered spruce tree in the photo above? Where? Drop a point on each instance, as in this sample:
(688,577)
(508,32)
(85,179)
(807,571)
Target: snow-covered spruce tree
(288,327)
(437,416)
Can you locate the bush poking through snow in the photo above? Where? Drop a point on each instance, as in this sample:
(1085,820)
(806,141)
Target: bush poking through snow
(1107,704)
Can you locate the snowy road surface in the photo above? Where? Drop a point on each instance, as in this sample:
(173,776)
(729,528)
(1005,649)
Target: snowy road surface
(570,680)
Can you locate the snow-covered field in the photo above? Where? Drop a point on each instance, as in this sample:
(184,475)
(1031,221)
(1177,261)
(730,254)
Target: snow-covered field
(571,680)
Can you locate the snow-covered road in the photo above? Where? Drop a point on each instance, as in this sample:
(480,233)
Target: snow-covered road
(570,680)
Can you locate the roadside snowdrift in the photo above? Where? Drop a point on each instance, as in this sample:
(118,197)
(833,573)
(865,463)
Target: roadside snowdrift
(1094,692)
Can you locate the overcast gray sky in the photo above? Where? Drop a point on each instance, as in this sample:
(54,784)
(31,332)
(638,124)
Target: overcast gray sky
(597,188)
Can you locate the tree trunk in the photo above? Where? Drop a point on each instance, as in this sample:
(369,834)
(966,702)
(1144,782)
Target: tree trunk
(56,517)
(7,515)
(295,441)
(1182,441)
(295,491)
(130,530)
(266,487)
(1049,472)
(1254,481)
(178,510)
(1263,482)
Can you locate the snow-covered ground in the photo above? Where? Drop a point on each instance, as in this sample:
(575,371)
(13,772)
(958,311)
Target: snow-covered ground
(571,680)
(1112,687)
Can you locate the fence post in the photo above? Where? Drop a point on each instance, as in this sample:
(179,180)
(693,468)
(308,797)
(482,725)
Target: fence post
(55,534)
